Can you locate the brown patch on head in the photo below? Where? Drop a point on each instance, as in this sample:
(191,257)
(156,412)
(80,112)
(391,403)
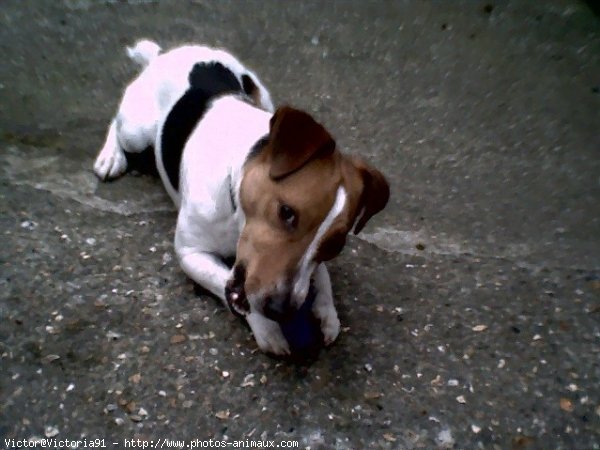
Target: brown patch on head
(374,194)
(287,191)
(296,139)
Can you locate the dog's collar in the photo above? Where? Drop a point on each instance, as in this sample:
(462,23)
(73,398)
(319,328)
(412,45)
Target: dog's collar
(232,195)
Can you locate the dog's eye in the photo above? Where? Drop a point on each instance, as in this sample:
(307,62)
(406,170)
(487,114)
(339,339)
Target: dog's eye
(288,216)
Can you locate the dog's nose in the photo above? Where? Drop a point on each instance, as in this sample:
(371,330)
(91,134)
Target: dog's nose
(279,311)
(235,293)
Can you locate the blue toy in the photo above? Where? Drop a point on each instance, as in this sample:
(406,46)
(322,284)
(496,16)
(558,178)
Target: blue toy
(303,329)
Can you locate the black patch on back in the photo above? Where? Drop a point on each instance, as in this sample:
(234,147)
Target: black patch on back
(207,81)
(214,78)
(258,147)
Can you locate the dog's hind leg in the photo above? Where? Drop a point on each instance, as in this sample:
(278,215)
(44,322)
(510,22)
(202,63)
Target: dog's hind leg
(111,161)
(132,130)
(134,127)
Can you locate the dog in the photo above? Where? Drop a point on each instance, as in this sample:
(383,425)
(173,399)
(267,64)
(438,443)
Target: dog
(269,188)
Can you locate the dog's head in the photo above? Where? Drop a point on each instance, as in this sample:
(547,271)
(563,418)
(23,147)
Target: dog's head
(300,196)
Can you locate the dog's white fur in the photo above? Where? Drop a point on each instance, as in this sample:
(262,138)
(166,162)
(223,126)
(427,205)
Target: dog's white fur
(208,225)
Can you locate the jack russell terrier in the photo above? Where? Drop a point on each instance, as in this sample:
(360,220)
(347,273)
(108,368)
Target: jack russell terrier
(271,189)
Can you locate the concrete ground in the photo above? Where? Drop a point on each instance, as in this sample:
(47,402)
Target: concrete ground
(470,306)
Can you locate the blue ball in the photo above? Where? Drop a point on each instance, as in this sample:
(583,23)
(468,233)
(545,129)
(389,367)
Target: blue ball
(303,329)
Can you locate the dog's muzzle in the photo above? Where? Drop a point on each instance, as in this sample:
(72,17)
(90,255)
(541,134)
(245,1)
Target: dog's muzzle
(235,293)
(279,311)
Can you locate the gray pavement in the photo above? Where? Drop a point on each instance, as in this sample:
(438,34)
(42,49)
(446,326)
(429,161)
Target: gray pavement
(470,306)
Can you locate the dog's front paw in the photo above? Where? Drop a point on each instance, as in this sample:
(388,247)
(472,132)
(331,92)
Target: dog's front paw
(326,313)
(268,335)
(110,164)
(330,327)
(274,344)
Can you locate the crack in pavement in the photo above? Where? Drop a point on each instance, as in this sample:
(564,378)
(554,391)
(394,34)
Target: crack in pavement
(80,185)
(74,183)
(407,242)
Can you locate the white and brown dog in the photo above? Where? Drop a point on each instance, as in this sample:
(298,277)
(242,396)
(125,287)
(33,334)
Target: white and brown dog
(270,189)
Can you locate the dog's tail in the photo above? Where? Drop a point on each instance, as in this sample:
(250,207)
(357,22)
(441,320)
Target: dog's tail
(143,52)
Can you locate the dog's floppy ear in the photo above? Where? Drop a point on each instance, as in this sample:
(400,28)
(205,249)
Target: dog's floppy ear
(367,193)
(375,193)
(295,139)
